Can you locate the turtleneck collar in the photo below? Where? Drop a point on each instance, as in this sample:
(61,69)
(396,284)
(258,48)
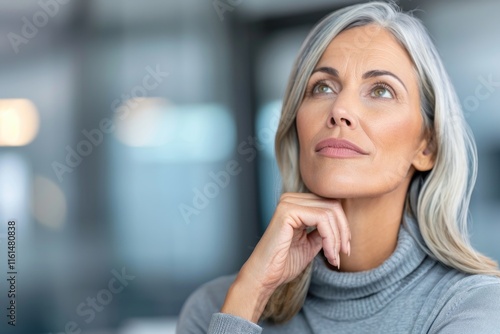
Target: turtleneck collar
(349,296)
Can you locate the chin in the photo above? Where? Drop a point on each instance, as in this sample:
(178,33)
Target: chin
(348,186)
(336,190)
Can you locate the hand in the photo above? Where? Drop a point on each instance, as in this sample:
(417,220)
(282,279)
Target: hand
(286,248)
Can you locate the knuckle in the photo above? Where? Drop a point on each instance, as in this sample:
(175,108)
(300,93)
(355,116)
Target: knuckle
(328,215)
(284,196)
(336,205)
(323,215)
(285,205)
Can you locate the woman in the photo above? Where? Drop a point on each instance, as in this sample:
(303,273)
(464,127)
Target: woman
(378,166)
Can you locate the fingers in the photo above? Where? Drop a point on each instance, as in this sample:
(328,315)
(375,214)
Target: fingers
(323,221)
(316,241)
(330,236)
(340,225)
(345,232)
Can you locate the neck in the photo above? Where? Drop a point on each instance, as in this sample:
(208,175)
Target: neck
(374,224)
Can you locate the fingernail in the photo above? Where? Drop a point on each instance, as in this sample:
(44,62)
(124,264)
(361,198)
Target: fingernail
(348,248)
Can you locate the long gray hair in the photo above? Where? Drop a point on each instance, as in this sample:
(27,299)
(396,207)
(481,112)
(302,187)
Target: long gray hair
(438,199)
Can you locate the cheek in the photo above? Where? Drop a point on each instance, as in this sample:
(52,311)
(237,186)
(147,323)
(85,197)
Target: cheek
(396,142)
(306,127)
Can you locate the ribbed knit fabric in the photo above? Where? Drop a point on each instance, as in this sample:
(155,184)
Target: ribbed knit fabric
(409,293)
(226,323)
(376,288)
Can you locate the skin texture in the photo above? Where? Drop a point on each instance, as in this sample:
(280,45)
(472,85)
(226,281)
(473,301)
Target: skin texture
(356,202)
(382,116)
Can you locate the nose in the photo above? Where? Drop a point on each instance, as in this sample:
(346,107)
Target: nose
(341,113)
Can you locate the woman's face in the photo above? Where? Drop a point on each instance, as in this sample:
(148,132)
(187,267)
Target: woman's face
(359,125)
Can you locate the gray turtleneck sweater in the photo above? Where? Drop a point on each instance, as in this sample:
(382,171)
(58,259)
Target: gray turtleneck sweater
(409,293)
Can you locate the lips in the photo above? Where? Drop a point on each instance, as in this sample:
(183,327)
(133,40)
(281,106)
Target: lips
(338,145)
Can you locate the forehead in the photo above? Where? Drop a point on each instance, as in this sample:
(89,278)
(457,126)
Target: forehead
(366,48)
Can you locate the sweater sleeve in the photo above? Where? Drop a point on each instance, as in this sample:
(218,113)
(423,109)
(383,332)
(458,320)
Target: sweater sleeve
(229,324)
(200,314)
(472,310)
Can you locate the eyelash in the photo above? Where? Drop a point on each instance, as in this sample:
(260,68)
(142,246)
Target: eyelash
(378,84)
(311,92)
(385,86)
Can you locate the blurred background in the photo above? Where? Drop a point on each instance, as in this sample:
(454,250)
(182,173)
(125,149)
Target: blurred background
(136,145)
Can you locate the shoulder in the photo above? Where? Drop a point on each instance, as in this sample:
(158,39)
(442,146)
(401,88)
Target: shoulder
(470,305)
(198,309)
(473,292)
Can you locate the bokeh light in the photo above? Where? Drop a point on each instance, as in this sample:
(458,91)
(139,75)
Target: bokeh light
(18,122)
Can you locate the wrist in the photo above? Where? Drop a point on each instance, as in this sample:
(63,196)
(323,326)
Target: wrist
(246,298)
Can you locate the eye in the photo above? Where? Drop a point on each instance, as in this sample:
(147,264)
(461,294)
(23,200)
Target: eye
(321,88)
(381,90)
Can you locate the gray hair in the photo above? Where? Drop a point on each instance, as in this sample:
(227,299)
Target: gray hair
(438,199)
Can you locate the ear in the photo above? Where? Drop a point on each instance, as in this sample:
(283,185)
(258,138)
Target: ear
(425,157)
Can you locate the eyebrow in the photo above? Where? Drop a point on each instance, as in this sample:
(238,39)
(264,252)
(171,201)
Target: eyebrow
(378,73)
(370,74)
(328,70)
